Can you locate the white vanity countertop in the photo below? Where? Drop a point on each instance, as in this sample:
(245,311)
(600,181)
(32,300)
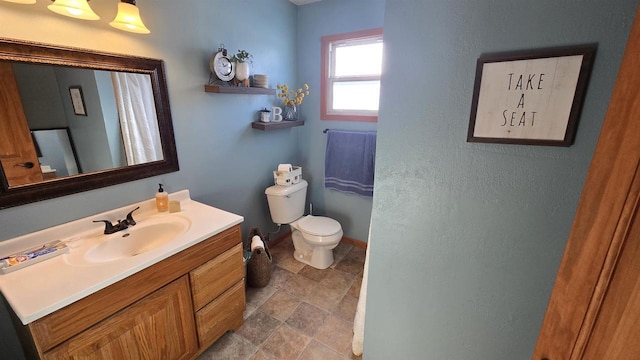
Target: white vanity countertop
(40,289)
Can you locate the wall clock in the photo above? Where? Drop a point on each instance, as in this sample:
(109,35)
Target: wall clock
(221,65)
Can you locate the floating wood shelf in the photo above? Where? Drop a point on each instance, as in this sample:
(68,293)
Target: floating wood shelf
(276,125)
(238,90)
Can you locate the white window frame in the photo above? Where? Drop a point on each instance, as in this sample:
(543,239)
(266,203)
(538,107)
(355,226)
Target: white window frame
(329,43)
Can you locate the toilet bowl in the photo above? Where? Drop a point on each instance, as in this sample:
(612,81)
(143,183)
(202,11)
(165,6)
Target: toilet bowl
(314,237)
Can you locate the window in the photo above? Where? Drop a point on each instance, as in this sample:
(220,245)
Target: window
(351,67)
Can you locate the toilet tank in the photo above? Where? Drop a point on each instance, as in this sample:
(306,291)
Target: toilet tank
(286,203)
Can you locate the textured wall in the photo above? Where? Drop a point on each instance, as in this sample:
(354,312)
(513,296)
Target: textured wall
(329,17)
(466,237)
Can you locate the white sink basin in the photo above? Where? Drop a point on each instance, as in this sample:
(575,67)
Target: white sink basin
(144,236)
(96,261)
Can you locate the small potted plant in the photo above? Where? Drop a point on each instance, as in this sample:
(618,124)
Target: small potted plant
(242,59)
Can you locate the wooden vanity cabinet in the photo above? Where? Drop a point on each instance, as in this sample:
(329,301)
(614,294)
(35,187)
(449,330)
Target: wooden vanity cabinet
(174,309)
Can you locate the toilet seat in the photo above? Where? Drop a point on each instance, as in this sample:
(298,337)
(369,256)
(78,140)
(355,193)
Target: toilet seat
(319,225)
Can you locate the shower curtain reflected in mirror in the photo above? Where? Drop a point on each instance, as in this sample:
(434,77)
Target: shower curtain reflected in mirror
(138,120)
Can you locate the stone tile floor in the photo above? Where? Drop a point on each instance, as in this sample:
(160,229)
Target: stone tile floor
(303,314)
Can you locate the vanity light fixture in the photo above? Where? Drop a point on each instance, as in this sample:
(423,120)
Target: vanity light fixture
(78,9)
(22,1)
(128,18)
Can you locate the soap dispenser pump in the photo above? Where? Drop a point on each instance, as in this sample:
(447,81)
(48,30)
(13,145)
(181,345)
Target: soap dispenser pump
(162,200)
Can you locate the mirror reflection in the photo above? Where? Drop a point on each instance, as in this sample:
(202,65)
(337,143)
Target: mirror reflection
(114,109)
(110,115)
(56,153)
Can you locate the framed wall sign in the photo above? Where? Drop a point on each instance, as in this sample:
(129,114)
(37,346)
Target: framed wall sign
(532,98)
(77,100)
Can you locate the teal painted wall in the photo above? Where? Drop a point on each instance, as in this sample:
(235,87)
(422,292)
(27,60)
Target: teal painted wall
(330,17)
(467,238)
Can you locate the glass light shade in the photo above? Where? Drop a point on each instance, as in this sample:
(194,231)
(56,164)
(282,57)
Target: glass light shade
(128,19)
(22,1)
(78,9)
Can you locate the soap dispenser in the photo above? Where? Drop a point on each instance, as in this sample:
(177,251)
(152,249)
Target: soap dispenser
(162,200)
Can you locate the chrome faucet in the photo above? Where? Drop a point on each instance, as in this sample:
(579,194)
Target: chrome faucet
(110,228)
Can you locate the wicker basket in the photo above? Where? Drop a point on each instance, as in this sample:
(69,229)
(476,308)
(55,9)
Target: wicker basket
(259,265)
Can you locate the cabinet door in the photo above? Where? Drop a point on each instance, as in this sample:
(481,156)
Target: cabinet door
(160,326)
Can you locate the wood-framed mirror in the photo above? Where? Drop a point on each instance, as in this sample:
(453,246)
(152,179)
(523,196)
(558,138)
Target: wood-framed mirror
(115,107)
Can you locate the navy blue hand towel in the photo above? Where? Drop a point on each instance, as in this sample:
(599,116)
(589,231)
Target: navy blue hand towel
(349,162)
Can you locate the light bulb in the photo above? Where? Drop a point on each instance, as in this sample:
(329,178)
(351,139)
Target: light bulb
(78,9)
(128,19)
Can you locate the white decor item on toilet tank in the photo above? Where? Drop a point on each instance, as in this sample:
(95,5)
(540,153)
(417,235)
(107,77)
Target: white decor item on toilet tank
(314,237)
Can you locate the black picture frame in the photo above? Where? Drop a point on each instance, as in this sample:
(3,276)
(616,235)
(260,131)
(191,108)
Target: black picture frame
(541,92)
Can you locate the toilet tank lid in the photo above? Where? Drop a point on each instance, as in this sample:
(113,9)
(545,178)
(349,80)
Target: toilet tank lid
(319,225)
(283,190)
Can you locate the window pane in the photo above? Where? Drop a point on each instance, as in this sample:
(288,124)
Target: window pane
(356,95)
(365,59)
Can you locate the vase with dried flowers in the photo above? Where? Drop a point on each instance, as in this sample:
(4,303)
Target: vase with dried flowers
(291,99)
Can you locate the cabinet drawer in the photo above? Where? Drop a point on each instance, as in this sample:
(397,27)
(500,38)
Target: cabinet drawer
(216,276)
(220,315)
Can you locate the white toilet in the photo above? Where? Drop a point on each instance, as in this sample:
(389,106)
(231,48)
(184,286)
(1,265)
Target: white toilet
(314,237)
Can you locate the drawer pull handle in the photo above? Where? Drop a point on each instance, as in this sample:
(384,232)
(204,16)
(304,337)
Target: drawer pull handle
(27,165)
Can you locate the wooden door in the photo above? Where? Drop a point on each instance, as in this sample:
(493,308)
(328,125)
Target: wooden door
(160,326)
(16,145)
(594,310)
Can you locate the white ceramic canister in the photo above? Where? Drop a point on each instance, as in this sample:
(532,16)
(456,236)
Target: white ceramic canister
(264,115)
